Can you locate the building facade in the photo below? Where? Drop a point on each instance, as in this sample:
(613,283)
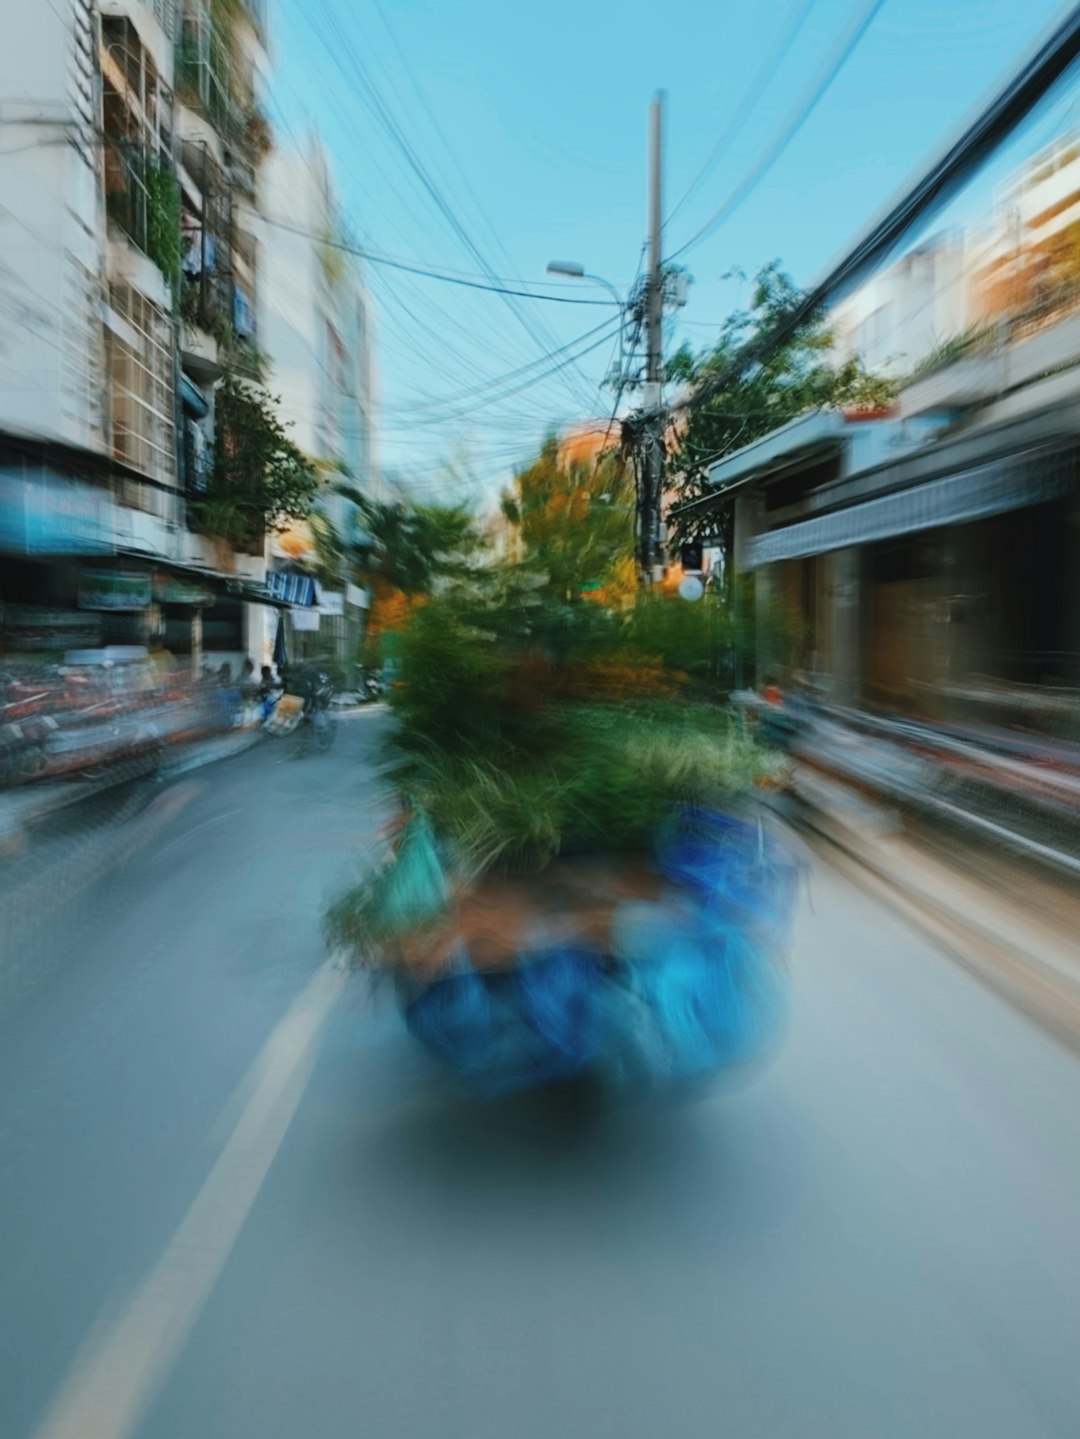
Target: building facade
(314,320)
(926,565)
(129,253)
(905,313)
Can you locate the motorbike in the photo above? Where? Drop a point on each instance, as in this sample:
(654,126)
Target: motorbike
(315,723)
(25,722)
(371,687)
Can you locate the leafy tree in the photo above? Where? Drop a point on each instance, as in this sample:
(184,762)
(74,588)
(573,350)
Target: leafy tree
(798,377)
(412,547)
(575,519)
(260,479)
(400,552)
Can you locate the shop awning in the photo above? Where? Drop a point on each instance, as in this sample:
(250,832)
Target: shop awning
(975,494)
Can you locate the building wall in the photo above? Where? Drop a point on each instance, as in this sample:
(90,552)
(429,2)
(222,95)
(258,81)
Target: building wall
(313,313)
(51,230)
(901,315)
(1026,265)
(90,345)
(314,327)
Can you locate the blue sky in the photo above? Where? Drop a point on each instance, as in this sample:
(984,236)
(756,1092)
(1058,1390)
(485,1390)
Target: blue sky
(530,123)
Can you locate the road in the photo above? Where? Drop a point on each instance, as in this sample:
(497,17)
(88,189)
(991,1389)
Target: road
(235,1205)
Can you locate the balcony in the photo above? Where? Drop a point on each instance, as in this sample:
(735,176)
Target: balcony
(153,21)
(202,83)
(142,202)
(983,379)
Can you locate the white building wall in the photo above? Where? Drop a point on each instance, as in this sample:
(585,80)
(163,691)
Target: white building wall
(289,315)
(901,315)
(51,229)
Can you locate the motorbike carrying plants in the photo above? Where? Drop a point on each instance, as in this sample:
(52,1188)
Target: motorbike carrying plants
(530,737)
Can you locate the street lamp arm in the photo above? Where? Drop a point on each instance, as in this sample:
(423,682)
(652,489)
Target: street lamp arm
(573,271)
(609,287)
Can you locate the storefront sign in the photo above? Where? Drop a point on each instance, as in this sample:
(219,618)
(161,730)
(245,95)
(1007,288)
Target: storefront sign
(304,620)
(331,604)
(168,590)
(44,513)
(114,590)
(357,597)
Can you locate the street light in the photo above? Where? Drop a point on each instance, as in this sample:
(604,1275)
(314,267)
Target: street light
(572,270)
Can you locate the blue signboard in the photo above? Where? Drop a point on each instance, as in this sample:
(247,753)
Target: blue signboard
(291,589)
(45,513)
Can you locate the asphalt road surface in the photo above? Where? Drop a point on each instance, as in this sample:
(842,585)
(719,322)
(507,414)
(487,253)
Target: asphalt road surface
(235,1204)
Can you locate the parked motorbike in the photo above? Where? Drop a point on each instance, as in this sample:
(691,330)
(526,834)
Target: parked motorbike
(316,725)
(371,687)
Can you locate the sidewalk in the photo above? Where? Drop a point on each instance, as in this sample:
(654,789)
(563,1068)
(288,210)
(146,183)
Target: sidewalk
(23,807)
(1021,938)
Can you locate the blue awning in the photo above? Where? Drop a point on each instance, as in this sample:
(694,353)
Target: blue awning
(975,494)
(192,398)
(291,589)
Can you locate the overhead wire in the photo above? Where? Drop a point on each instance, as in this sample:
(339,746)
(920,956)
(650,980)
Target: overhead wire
(433,360)
(1022,93)
(798,116)
(495,392)
(440,134)
(772,60)
(522,370)
(343,51)
(374,258)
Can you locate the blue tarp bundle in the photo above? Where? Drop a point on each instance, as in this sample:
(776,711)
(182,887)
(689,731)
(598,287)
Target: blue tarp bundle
(697,981)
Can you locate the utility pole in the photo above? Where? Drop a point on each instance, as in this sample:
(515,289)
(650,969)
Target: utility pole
(654,426)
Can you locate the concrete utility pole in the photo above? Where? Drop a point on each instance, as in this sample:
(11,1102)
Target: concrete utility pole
(653,432)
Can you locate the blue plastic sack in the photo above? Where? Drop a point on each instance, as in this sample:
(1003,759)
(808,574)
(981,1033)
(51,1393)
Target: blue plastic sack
(457,1019)
(711,1013)
(733,866)
(559,996)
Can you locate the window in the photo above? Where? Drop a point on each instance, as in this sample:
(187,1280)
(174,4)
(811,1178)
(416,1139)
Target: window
(142,388)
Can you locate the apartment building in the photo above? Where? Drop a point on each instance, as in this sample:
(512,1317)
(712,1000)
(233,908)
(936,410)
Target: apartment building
(132,138)
(1027,274)
(314,320)
(914,306)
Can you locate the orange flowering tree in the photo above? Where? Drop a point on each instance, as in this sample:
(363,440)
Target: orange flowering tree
(575,518)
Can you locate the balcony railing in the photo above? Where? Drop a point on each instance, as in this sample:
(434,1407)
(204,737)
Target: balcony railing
(202,83)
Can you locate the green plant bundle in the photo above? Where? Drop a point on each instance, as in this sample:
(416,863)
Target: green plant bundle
(501,742)
(533,725)
(163,243)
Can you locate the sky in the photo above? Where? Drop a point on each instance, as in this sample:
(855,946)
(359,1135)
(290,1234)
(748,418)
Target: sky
(485,139)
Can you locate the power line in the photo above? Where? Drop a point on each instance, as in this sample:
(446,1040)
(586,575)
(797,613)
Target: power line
(520,372)
(440,133)
(374,258)
(433,356)
(345,50)
(773,59)
(561,364)
(792,125)
(1019,96)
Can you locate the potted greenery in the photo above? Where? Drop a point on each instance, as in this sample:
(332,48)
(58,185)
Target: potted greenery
(576,875)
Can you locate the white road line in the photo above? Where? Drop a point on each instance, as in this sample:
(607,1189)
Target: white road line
(127,1356)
